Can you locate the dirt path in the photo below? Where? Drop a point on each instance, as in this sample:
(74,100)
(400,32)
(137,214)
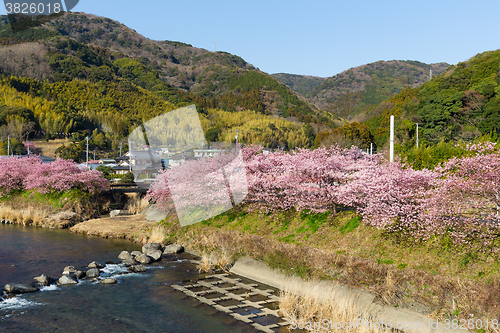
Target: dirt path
(133,227)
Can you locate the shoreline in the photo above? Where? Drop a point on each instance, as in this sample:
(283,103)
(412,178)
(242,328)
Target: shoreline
(260,272)
(196,241)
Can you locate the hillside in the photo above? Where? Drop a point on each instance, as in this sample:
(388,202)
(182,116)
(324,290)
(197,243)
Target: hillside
(459,105)
(302,84)
(356,90)
(84,46)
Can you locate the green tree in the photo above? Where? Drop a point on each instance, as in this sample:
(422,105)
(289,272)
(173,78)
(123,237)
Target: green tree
(127,178)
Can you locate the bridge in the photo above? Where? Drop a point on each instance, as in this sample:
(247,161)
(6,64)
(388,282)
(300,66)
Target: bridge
(129,188)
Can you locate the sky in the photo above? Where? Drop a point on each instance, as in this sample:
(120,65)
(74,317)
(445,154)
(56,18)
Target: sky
(316,37)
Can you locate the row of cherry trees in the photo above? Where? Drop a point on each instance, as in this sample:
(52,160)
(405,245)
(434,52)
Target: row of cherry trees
(459,200)
(29,173)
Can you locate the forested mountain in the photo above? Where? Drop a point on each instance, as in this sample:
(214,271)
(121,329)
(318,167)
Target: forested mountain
(459,105)
(84,46)
(302,84)
(81,74)
(358,89)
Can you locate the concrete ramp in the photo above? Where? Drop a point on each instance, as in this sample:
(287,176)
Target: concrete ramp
(362,302)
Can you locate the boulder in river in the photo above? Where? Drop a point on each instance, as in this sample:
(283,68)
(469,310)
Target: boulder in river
(108,281)
(173,249)
(151,247)
(93,273)
(43,280)
(80,274)
(155,255)
(95,264)
(129,262)
(143,259)
(67,280)
(124,255)
(17,288)
(136,253)
(69,269)
(137,268)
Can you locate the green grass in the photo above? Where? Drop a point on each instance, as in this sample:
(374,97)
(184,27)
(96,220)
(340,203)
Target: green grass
(288,239)
(313,221)
(55,199)
(284,263)
(351,225)
(381,261)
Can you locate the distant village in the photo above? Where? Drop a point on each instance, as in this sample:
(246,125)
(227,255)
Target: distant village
(145,163)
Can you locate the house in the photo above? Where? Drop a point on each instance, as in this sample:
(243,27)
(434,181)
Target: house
(122,167)
(200,153)
(107,161)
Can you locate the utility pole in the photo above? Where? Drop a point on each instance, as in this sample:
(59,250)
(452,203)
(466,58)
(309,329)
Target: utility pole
(417,135)
(94,154)
(129,157)
(87,160)
(121,143)
(8,145)
(371,148)
(391,147)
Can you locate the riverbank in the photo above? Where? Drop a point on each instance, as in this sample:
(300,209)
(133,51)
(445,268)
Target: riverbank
(52,210)
(435,279)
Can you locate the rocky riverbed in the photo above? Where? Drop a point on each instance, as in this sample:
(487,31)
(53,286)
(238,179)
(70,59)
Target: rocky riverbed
(134,262)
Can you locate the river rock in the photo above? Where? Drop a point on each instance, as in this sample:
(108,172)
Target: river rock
(108,281)
(69,269)
(17,288)
(95,264)
(136,253)
(93,273)
(80,274)
(129,262)
(173,249)
(143,259)
(124,255)
(151,247)
(64,219)
(43,280)
(137,268)
(155,255)
(67,280)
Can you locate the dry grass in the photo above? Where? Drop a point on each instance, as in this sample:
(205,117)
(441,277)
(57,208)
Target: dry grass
(157,235)
(215,262)
(136,205)
(49,147)
(26,216)
(299,305)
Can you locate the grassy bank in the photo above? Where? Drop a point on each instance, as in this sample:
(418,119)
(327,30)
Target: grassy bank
(52,210)
(435,278)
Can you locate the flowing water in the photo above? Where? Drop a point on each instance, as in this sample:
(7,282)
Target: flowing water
(143,302)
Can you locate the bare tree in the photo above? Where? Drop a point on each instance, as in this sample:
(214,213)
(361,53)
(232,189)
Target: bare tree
(18,129)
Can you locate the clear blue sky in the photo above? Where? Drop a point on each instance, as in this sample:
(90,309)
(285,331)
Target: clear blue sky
(319,38)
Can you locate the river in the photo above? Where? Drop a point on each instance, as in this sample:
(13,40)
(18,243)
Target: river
(143,302)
